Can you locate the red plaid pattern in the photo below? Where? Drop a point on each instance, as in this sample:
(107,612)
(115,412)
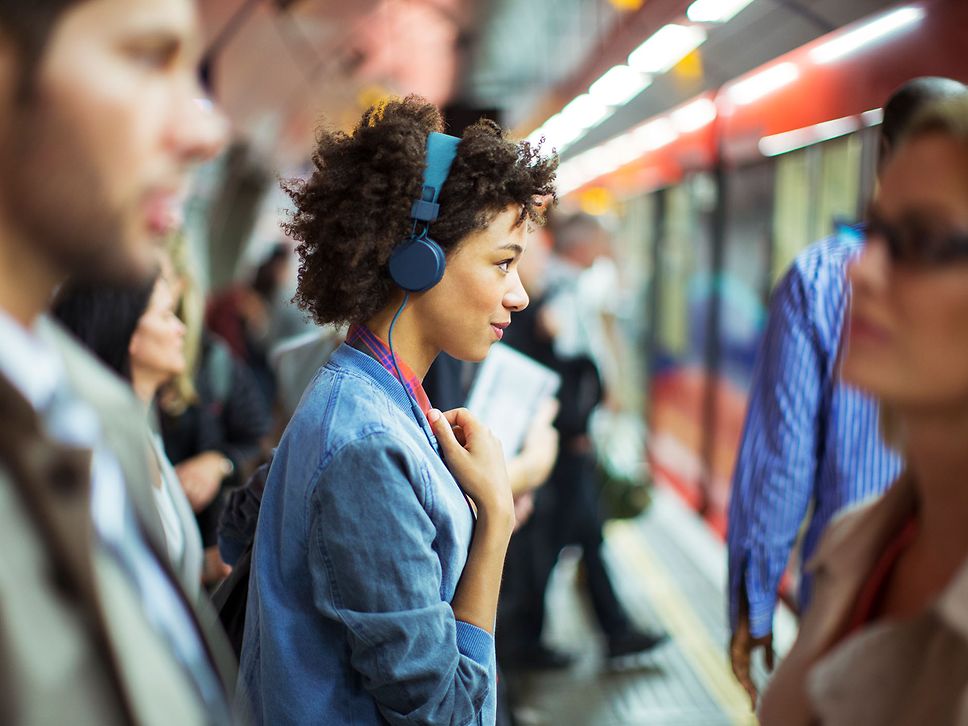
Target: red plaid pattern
(362,338)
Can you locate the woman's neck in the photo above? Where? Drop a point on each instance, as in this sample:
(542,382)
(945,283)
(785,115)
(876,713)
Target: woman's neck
(145,385)
(936,448)
(408,342)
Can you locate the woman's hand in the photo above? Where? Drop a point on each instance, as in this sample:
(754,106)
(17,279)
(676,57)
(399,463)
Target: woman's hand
(475,458)
(533,464)
(201,477)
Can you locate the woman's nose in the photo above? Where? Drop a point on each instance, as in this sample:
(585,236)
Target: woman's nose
(516,298)
(868,271)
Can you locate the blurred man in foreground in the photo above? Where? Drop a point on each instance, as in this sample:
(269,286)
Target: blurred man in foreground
(100,123)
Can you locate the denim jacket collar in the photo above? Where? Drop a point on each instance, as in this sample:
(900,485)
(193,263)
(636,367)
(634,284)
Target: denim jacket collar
(348,357)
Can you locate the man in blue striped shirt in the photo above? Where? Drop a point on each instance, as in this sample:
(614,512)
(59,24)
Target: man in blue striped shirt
(808,440)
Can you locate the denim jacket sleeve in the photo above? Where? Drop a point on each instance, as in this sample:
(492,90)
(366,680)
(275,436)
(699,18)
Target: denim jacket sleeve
(373,565)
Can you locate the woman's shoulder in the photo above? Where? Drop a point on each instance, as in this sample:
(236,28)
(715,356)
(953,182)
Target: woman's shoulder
(343,408)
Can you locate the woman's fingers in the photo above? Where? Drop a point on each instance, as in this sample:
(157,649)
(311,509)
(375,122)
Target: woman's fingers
(546,413)
(445,435)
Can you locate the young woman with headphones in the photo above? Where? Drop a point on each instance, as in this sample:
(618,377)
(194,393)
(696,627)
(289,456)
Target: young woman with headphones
(385,523)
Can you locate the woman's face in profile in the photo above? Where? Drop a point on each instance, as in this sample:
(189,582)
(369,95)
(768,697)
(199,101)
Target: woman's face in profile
(467,311)
(907,333)
(158,343)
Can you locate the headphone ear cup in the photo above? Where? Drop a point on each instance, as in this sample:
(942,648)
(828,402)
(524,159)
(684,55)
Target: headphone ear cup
(418,264)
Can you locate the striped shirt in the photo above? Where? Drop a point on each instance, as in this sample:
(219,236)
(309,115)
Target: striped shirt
(809,440)
(363,339)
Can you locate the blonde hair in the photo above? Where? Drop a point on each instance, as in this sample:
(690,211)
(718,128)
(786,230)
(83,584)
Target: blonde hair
(948,117)
(180,392)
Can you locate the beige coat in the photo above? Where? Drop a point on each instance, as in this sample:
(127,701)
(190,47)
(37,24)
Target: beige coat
(911,672)
(75,646)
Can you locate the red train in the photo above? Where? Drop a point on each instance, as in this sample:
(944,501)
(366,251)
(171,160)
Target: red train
(717,196)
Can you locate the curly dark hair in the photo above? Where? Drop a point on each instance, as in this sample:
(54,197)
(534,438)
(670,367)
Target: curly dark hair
(355,209)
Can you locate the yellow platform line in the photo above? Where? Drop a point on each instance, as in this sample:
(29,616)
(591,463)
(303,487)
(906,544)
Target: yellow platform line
(692,637)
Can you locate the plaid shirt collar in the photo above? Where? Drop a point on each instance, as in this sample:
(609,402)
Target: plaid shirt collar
(363,339)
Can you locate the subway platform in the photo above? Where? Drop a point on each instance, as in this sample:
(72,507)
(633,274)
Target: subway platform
(670,572)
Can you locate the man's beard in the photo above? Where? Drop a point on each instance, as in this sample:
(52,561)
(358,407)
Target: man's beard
(56,203)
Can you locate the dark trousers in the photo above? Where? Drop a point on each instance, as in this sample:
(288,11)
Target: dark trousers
(567,511)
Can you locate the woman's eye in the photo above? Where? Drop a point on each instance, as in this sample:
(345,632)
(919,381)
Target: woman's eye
(505,265)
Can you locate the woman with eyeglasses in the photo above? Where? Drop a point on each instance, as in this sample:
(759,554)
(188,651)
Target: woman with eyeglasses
(886,638)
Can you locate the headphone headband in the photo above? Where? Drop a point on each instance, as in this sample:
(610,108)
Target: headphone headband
(441,151)
(418,263)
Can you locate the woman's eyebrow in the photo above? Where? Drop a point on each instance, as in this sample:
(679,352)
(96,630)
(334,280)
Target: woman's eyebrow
(514,247)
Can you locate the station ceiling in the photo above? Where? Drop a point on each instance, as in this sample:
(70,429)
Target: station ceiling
(280,67)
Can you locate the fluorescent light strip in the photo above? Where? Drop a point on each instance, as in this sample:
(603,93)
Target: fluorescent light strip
(655,134)
(615,153)
(584,112)
(669,45)
(866,34)
(619,85)
(808,136)
(694,116)
(715,11)
(764,83)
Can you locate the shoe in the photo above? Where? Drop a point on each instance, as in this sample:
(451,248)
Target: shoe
(634,642)
(539,657)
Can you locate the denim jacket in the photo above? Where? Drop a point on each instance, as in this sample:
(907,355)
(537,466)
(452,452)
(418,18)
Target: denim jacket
(361,541)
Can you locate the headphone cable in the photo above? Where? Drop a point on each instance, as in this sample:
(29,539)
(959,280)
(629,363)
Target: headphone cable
(413,403)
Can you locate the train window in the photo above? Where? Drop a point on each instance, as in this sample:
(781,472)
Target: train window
(684,268)
(792,226)
(840,174)
(745,278)
(816,188)
(635,247)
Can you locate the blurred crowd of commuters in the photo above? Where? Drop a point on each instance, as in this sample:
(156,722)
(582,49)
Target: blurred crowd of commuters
(365,564)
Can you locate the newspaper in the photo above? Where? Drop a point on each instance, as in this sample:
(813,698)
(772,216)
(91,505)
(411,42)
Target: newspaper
(507,392)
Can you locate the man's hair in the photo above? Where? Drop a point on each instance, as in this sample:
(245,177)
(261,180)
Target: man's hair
(574,230)
(355,209)
(909,100)
(27,25)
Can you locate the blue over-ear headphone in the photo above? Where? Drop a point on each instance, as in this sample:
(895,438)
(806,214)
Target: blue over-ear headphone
(418,263)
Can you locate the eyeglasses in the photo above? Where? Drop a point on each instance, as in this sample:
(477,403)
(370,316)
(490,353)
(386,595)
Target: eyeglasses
(918,239)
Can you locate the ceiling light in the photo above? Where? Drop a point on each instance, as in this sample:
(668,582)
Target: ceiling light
(585,111)
(715,11)
(757,86)
(666,47)
(619,85)
(693,116)
(654,135)
(866,34)
(561,131)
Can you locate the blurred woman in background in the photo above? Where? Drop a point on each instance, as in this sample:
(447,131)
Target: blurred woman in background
(213,414)
(135,332)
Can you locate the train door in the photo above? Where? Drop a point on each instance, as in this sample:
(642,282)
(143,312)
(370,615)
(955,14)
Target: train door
(737,302)
(683,266)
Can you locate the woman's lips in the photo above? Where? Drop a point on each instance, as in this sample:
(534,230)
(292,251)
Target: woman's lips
(498,329)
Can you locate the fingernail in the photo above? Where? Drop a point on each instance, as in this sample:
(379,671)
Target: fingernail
(432,415)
